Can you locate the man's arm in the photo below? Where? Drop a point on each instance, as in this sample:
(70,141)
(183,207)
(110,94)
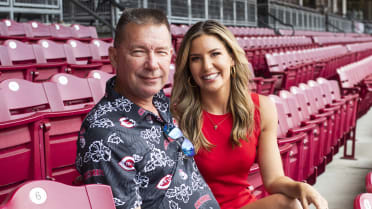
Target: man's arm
(105,157)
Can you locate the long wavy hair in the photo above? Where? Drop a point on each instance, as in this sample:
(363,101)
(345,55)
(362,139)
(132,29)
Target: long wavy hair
(186,99)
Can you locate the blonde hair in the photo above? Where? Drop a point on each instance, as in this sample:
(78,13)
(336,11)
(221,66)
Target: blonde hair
(186,99)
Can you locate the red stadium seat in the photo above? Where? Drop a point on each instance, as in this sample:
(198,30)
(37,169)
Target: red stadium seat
(297,137)
(101,55)
(84,33)
(302,118)
(294,126)
(14,30)
(369,182)
(63,124)
(168,86)
(21,133)
(82,56)
(363,201)
(98,90)
(27,60)
(60,32)
(38,30)
(21,98)
(45,194)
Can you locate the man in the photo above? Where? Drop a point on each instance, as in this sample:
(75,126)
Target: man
(123,142)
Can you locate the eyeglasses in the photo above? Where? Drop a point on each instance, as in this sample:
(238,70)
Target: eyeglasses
(175,133)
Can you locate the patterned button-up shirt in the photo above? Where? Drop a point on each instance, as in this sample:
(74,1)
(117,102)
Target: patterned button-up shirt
(123,145)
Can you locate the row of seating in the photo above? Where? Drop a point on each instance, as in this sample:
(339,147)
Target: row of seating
(256,48)
(357,77)
(359,50)
(39,124)
(318,33)
(294,67)
(326,41)
(314,121)
(38,61)
(33,31)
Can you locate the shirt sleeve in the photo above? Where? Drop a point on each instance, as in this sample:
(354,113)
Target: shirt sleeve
(107,156)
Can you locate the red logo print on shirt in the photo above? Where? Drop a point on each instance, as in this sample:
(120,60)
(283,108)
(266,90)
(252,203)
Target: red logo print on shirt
(127,123)
(202,200)
(141,111)
(127,163)
(164,182)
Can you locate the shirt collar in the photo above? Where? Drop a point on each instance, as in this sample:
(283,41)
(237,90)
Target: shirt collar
(160,101)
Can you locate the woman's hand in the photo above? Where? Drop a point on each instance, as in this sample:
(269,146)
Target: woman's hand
(308,195)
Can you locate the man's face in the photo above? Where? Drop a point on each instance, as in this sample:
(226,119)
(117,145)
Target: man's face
(142,60)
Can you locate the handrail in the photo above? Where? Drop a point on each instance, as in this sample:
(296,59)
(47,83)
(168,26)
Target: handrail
(79,4)
(277,32)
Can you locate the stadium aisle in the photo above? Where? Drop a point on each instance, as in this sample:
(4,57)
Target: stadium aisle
(345,179)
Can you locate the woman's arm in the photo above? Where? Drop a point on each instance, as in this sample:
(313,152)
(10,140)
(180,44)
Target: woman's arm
(270,162)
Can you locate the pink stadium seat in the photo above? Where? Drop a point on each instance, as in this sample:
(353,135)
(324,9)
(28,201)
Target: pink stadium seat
(168,86)
(84,33)
(60,32)
(308,103)
(101,55)
(351,99)
(27,60)
(279,67)
(369,182)
(21,98)
(45,194)
(21,131)
(63,124)
(302,118)
(98,90)
(63,95)
(299,155)
(20,152)
(363,201)
(14,30)
(82,55)
(294,126)
(54,52)
(38,30)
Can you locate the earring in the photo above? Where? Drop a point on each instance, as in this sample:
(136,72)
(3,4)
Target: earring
(233,71)
(189,81)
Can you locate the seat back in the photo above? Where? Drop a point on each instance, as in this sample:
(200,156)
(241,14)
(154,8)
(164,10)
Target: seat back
(53,52)
(97,80)
(54,195)
(21,98)
(68,92)
(20,52)
(60,31)
(363,201)
(82,52)
(101,48)
(369,182)
(14,28)
(39,30)
(81,31)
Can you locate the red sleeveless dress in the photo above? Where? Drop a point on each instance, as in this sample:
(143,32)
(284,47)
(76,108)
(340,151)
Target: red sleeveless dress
(224,168)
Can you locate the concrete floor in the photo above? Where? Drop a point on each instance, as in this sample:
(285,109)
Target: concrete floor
(344,179)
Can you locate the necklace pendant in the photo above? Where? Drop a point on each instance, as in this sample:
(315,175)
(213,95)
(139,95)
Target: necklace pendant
(215,127)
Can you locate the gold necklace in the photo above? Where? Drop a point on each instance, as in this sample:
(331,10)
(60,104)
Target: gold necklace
(215,126)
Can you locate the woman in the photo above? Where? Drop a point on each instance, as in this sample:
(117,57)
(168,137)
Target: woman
(228,125)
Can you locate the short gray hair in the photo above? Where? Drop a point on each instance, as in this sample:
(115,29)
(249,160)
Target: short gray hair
(139,16)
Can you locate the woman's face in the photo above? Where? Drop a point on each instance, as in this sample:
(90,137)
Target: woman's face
(210,63)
